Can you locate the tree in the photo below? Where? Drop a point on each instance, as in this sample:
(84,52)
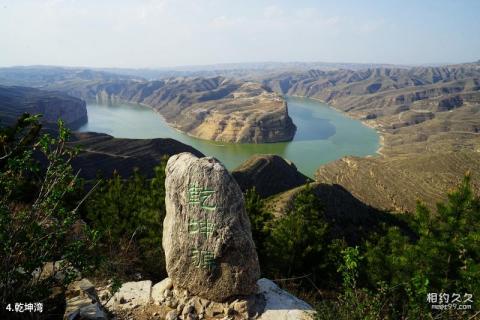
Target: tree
(259,220)
(298,243)
(444,258)
(129,214)
(37,217)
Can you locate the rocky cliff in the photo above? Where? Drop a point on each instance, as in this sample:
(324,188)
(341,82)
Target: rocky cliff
(434,108)
(52,105)
(216,109)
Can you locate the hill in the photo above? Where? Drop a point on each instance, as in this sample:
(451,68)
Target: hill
(397,183)
(216,109)
(102,154)
(15,101)
(415,109)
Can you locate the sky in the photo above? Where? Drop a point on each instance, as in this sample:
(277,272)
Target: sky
(168,33)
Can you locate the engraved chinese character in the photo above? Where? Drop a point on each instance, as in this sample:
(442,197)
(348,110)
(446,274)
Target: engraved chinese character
(199,195)
(202,226)
(203,259)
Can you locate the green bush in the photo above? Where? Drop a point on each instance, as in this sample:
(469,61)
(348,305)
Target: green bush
(445,257)
(129,215)
(298,241)
(399,271)
(37,215)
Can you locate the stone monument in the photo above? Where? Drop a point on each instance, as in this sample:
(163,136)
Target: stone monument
(207,239)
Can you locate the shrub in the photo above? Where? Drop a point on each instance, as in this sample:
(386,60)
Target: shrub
(129,214)
(37,215)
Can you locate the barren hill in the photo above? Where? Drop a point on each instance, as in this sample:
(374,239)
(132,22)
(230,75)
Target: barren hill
(416,109)
(396,183)
(217,108)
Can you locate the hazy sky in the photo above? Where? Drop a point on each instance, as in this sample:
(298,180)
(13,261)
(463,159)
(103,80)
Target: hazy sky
(163,33)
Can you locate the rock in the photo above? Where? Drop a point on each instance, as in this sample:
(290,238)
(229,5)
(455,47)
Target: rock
(214,309)
(172,303)
(282,305)
(159,289)
(82,301)
(268,174)
(239,306)
(93,311)
(228,311)
(191,316)
(188,309)
(131,294)
(199,308)
(206,233)
(57,270)
(172,315)
(180,307)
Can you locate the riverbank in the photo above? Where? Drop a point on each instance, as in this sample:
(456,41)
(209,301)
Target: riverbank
(381,142)
(323,134)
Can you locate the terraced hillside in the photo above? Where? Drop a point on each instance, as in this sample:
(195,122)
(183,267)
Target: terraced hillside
(417,109)
(216,109)
(429,121)
(397,183)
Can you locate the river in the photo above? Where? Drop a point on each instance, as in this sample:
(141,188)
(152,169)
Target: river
(323,134)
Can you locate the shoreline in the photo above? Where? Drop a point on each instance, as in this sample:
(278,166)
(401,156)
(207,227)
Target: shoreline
(381,140)
(172,126)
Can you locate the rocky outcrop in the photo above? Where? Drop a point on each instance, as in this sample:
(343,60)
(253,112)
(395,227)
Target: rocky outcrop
(131,295)
(82,302)
(206,233)
(139,300)
(216,109)
(15,101)
(281,304)
(268,174)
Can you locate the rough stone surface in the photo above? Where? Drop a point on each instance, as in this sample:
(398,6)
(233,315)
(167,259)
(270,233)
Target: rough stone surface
(206,233)
(134,301)
(172,315)
(83,302)
(159,289)
(131,294)
(282,305)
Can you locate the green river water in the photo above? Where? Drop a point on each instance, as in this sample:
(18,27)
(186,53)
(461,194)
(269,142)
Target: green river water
(323,134)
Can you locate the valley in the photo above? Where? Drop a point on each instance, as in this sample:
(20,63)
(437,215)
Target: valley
(216,109)
(425,116)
